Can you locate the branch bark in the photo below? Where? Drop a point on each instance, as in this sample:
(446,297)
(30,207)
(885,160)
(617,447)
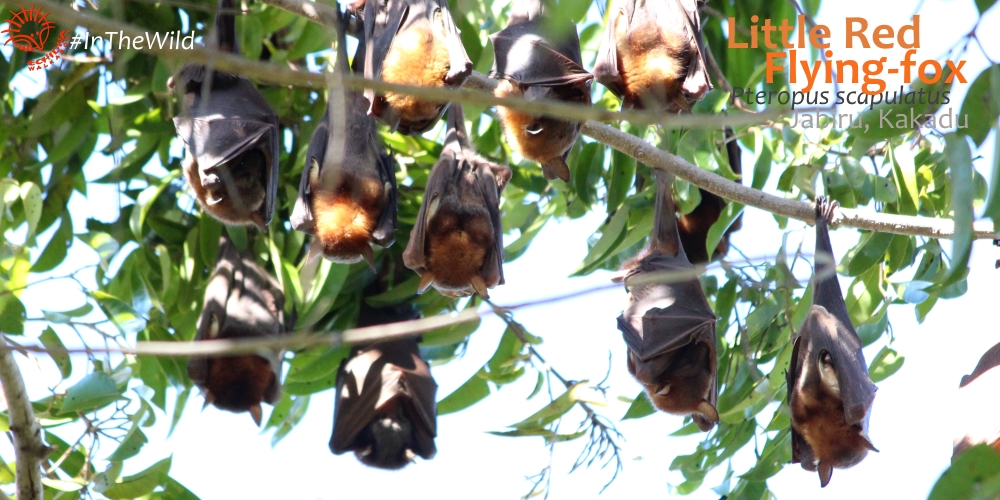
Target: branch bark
(483,96)
(29,450)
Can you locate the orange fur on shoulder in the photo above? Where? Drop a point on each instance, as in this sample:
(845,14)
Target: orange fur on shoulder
(555,138)
(344,224)
(653,64)
(456,249)
(418,56)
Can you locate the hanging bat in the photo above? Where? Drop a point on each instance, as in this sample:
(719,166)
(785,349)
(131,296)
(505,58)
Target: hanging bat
(669,328)
(694,226)
(347,198)
(412,42)
(538,57)
(231,136)
(829,392)
(241,301)
(653,56)
(978,417)
(386,411)
(457,241)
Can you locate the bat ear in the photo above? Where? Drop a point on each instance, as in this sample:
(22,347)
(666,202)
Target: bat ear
(619,277)
(825,473)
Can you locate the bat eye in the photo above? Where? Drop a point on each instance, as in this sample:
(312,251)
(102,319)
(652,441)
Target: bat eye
(213,327)
(534,128)
(825,358)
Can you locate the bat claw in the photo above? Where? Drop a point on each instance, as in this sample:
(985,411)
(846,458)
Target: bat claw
(314,251)
(825,474)
(480,286)
(369,255)
(209,399)
(425,282)
(256,412)
(213,332)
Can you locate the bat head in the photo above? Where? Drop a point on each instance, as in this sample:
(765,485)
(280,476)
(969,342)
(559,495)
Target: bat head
(386,442)
(346,214)
(538,138)
(679,382)
(418,55)
(239,383)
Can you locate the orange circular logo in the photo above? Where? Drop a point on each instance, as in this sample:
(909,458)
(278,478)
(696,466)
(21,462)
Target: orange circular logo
(28,29)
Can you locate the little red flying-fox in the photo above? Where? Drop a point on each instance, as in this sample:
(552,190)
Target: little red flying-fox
(538,57)
(347,195)
(241,301)
(652,56)
(457,241)
(411,42)
(231,136)
(829,391)
(669,328)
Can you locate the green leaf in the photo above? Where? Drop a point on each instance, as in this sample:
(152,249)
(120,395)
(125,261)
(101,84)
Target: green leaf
(130,445)
(55,250)
(94,391)
(974,474)
(56,351)
(12,314)
(126,319)
(981,105)
(295,413)
(613,231)
(579,392)
(960,165)
(145,201)
(886,362)
(719,228)
(905,172)
(209,232)
(471,392)
(140,484)
(450,334)
(984,5)
(869,252)
(641,407)
(66,316)
(993,202)
(31,197)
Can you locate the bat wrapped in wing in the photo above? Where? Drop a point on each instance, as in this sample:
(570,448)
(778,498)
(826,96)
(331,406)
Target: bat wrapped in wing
(538,57)
(412,42)
(694,225)
(347,195)
(242,301)
(669,327)
(652,55)
(829,391)
(231,136)
(978,417)
(457,241)
(386,411)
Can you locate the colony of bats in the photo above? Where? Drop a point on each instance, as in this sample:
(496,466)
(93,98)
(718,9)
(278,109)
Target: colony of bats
(652,56)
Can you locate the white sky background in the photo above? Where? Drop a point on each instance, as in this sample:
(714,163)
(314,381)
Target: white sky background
(222,455)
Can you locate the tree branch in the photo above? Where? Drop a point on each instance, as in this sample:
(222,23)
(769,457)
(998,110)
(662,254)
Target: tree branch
(482,95)
(28,446)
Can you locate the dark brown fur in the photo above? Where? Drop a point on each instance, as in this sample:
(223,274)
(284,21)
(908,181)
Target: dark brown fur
(456,244)
(694,226)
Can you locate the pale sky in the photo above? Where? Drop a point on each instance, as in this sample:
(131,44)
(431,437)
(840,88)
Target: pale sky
(222,455)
